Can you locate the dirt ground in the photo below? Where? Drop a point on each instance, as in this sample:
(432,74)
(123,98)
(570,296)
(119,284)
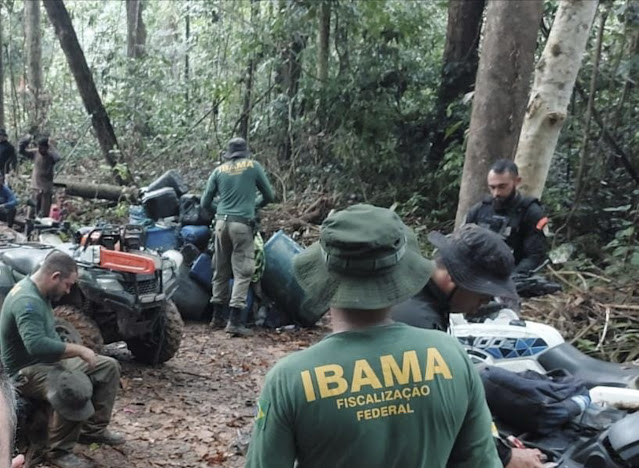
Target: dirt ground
(197,409)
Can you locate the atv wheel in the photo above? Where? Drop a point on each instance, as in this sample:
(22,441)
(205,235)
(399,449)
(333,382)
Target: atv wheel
(86,328)
(164,340)
(67,332)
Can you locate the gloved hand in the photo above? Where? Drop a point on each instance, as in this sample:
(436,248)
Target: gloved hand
(3,208)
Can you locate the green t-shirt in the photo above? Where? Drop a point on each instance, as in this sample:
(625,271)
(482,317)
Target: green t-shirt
(27,328)
(390,397)
(236,182)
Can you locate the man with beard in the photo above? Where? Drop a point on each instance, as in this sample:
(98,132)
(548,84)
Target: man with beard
(519,220)
(80,385)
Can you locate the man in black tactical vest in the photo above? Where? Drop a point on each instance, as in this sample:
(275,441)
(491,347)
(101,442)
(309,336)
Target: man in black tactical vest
(518,219)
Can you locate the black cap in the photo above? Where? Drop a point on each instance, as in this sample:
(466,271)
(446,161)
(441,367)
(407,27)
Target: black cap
(478,260)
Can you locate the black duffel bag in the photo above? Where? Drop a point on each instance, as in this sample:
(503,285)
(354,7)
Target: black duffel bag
(192,213)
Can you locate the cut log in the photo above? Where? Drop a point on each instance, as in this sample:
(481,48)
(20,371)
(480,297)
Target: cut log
(102,191)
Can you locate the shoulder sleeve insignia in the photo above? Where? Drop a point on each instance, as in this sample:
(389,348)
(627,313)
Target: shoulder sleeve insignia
(261,412)
(542,223)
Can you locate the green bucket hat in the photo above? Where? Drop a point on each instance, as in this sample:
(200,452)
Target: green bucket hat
(366,259)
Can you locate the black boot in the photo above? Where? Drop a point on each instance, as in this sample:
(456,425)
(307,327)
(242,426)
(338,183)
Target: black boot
(217,321)
(235,327)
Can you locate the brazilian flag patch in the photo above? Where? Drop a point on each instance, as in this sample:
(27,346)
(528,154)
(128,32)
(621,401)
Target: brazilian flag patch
(261,412)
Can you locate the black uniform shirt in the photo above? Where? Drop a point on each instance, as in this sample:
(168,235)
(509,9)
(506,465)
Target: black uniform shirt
(521,223)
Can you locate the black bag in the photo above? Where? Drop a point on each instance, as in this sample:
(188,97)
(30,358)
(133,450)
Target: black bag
(192,213)
(532,402)
(169,179)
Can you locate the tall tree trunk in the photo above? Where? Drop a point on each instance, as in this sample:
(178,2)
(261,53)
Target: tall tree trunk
(323,38)
(323,52)
(501,90)
(555,77)
(61,22)
(459,66)
(34,62)
(288,78)
(1,73)
(187,65)
(245,119)
(136,31)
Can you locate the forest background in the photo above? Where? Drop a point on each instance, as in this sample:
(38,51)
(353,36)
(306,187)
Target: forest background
(355,100)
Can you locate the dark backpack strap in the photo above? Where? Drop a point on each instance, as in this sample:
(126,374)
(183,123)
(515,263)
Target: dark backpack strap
(520,212)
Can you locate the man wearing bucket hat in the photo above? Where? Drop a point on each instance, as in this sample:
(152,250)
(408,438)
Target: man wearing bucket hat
(236,183)
(471,266)
(374,393)
(45,368)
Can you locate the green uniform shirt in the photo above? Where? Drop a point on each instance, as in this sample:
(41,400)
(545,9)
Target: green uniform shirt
(27,329)
(390,397)
(236,182)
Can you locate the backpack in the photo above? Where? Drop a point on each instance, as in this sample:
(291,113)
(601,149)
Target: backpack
(533,402)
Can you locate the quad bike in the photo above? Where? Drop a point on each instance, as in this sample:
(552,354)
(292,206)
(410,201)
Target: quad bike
(120,295)
(578,445)
(499,337)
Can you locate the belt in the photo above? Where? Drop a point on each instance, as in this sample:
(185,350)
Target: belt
(236,219)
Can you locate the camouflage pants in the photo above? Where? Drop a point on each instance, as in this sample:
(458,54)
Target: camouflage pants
(234,258)
(31,382)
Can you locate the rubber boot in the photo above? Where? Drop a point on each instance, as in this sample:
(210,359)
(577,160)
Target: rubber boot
(235,327)
(217,321)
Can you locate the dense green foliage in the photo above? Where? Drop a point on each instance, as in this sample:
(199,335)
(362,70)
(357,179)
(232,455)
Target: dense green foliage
(362,134)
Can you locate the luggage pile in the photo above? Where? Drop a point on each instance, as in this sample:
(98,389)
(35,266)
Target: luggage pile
(171,215)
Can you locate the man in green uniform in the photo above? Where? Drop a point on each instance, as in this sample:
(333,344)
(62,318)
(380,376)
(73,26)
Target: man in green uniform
(374,393)
(33,354)
(236,183)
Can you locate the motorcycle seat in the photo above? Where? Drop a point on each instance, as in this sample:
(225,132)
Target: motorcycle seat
(592,371)
(25,262)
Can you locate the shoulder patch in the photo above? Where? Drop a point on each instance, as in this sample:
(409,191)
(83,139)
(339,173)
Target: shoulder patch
(542,223)
(261,412)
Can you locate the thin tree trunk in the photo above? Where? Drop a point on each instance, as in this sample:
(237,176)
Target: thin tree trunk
(136,31)
(459,67)
(555,77)
(288,78)
(580,181)
(187,70)
(323,38)
(61,22)
(245,120)
(501,90)
(1,73)
(34,62)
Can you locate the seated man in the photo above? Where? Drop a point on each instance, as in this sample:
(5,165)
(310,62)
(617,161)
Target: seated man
(518,219)
(8,203)
(471,266)
(33,354)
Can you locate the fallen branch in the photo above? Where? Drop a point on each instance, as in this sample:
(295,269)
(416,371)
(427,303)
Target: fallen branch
(103,191)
